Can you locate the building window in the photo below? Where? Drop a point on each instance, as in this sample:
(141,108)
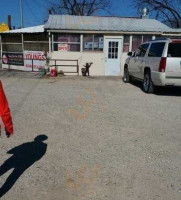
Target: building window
(137,40)
(113,50)
(36,37)
(126,43)
(38,46)
(12,43)
(66,42)
(12,47)
(93,42)
(11,38)
(147,38)
(36,42)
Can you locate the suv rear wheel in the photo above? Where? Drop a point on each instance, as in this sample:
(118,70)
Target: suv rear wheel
(126,77)
(148,86)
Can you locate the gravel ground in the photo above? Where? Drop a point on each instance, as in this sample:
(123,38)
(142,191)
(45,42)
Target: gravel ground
(106,140)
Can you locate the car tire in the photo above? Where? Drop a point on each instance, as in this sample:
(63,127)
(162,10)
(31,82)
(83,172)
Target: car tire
(126,77)
(148,86)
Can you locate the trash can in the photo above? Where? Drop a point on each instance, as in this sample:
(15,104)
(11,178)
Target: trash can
(53,72)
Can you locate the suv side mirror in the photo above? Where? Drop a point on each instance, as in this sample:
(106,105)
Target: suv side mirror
(130,54)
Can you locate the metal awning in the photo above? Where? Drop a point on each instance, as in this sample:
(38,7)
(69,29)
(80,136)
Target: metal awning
(106,24)
(34,29)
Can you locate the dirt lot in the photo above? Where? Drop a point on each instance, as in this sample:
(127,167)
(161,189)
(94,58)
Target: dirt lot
(106,140)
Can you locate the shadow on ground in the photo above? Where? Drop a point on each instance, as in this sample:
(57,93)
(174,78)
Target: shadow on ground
(23,157)
(160,91)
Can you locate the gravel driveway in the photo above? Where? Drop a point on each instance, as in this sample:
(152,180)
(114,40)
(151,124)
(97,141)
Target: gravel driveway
(106,140)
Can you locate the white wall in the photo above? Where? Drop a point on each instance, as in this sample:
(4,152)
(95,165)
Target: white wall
(97,58)
(97,69)
(123,59)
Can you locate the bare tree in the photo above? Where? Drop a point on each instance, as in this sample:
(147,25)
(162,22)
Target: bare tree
(80,7)
(168,11)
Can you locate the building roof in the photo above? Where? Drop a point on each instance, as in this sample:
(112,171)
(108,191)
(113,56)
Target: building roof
(109,24)
(34,29)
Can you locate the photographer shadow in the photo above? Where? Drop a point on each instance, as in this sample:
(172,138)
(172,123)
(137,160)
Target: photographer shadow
(23,157)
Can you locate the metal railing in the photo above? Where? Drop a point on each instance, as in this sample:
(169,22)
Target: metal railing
(57,63)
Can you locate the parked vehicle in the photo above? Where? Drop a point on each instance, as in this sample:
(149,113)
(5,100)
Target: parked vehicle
(155,63)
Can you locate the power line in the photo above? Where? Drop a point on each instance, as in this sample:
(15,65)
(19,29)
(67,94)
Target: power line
(42,4)
(32,12)
(36,4)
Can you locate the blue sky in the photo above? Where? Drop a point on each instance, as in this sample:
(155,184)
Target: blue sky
(35,11)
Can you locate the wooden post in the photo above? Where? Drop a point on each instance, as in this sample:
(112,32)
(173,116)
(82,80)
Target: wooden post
(130,43)
(22,40)
(32,65)
(81,43)
(49,36)
(56,64)
(77,67)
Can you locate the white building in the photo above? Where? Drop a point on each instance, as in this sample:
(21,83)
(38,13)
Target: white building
(104,41)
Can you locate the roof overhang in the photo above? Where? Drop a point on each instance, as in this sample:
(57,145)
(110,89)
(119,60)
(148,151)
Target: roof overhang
(34,29)
(112,25)
(172,34)
(104,32)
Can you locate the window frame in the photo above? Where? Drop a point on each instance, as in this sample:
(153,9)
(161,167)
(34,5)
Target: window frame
(69,43)
(148,37)
(93,41)
(170,50)
(114,47)
(153,43)
(127,43)
(141,51)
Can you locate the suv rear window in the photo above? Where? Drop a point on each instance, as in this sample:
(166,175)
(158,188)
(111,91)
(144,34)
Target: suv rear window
(174,50)
(156,49)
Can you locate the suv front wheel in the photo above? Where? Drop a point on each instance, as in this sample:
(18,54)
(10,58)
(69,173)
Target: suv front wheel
(148,86)
(126,77)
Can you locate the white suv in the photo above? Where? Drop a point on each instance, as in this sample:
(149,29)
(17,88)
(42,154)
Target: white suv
(156,63)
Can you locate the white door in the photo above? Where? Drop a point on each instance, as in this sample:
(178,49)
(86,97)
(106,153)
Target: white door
(113,56)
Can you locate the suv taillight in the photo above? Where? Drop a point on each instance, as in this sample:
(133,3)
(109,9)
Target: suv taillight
(162,64)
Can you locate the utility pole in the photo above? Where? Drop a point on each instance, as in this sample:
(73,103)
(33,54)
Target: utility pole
(21,13)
